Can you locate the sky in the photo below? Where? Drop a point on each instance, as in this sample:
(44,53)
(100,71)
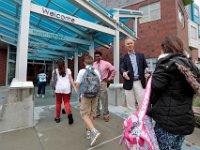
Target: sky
(197,2)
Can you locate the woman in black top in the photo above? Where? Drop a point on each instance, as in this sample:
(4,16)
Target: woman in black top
(171,97)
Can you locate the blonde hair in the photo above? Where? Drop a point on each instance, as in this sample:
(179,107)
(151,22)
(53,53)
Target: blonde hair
(88,60)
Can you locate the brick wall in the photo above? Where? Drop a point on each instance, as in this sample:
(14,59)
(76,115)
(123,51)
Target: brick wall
(3,60)
(150,34)
(194,53)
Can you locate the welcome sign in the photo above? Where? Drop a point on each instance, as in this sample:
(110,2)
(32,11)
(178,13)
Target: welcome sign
(57,15)
(71,19)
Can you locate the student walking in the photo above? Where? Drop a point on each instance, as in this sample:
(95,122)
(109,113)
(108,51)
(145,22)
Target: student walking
(41,82)
(63,82)
(89,79)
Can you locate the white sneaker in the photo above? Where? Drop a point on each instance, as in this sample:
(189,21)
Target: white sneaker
(38,95)
(88,134)
(42,96)
(94,135)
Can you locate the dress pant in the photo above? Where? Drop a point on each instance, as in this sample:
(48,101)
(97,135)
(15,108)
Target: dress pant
(103,98)
(134,96)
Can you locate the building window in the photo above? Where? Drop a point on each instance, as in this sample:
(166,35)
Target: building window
(12,55)
(150,12)
(196,11)
(199,32)
(181,17)
(193,33)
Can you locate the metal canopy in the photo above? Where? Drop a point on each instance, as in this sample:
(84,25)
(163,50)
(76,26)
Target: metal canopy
(58,27)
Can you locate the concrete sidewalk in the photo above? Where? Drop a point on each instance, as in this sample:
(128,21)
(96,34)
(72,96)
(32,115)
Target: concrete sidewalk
(48,135)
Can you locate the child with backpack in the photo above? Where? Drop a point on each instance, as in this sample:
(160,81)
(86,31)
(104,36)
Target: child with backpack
(41,82)
(89,79)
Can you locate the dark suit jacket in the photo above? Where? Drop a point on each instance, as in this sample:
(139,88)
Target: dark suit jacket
(125,65)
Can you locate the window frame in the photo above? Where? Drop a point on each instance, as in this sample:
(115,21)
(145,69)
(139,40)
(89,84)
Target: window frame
(180,12)
(193,34)
(150,8)
(197,11)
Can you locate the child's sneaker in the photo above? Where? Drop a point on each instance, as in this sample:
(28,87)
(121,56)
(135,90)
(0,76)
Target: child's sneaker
(38,95)
(94,135)
(42,96)
(88,134)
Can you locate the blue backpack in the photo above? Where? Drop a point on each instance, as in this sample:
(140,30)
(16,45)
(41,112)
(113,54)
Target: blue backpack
(90,83)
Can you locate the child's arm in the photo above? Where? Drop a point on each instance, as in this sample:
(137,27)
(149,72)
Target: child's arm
(78,91)
(72,83)
(78,87)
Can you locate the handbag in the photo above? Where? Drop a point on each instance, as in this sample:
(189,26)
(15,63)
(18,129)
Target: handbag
(54,79)
(138,128)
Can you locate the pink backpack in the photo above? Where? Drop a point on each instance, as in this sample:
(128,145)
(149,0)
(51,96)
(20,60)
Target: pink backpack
(138,128)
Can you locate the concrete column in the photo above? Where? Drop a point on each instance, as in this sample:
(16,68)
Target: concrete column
(66,61)
(135,27)
(75,63)
(91,47)
(45,67)
(22,44)
(116,94)
(17,112)
(116,52)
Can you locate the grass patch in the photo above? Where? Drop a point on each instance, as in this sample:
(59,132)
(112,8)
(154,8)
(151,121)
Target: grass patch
(196,103)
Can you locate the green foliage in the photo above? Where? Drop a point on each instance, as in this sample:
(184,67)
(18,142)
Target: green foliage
(196,101)
(197,121)
(186,2)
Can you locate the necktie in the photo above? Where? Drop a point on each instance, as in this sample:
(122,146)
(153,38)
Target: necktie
(99,69)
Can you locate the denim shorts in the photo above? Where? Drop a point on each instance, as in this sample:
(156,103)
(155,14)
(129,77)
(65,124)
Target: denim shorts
(168,141)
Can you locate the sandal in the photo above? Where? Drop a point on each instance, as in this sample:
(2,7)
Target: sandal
(97,116)
(106,118)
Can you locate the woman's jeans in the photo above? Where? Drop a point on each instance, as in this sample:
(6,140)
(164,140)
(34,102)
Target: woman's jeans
(41,88)
(168,141)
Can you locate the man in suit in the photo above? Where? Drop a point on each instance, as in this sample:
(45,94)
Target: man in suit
(132,69)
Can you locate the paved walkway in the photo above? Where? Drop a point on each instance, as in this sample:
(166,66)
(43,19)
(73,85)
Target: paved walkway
(48,135)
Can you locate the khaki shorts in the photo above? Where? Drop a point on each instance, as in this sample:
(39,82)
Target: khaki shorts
(88,106)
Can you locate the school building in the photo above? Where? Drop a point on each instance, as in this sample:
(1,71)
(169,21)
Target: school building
(160,18)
